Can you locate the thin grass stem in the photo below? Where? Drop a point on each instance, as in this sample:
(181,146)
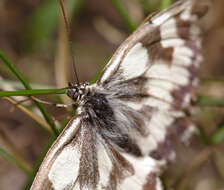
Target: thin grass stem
(165,4)
(31,92)
(15,162)
(28,87)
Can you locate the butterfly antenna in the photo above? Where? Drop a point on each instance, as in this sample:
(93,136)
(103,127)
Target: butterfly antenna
(69,39)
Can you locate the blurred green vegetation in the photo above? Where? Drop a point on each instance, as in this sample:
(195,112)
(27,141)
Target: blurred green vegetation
(44,20)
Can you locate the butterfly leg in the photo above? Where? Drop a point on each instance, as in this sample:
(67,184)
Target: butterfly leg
(50,103)
(19,102)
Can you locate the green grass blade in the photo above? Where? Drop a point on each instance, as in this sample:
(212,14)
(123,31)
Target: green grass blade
(124,15)
(32,92)
(28,87)
(165,4)
(14,70)
(15,162)
(209,101)
(218,137)
(99,72)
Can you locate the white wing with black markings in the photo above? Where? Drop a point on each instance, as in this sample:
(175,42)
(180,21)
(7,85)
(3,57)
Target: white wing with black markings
(122,134)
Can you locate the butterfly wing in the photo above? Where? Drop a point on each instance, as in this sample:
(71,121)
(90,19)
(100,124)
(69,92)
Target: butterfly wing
(81,158)
(169,35)
(145,87)
(62,156)
(156,69)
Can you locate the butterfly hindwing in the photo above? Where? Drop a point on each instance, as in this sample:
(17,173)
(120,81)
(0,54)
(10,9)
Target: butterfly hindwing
(86,160)
(55,162)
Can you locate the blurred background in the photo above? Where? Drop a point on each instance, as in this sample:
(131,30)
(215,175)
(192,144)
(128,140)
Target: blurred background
(33,36)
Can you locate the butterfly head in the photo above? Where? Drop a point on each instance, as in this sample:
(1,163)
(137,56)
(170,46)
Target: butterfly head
(77,91)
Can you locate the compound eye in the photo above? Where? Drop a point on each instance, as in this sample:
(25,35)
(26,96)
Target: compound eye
(70,93)
(75,95)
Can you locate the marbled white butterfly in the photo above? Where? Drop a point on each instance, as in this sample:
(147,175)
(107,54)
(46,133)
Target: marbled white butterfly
(120,137)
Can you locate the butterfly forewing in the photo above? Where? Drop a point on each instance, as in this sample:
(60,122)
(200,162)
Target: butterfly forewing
(122,135)
(166,53)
